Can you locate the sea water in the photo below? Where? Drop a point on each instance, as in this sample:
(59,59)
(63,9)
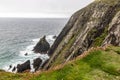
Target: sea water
(18,36)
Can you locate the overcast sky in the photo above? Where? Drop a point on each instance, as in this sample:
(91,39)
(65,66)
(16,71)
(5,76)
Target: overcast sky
(40,8)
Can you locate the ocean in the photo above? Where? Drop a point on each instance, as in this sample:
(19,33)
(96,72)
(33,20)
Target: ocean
(19,35)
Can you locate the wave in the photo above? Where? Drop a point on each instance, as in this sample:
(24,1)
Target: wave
(28,54)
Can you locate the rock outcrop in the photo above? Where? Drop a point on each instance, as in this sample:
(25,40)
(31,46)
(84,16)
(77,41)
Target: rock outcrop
(42,46)
(95,25)
(23,67)
(114,31)
(36,63)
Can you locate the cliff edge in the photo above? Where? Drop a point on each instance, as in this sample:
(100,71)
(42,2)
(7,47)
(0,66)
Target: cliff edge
(97,24)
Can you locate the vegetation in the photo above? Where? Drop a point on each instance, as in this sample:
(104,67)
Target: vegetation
(99,40)
(97,65)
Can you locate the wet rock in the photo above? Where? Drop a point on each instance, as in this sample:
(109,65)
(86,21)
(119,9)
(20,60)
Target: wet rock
(13,69)
(26,54)
(10,67)
(54,37)
(23,67)
(44,63)
(36,63)
(42,46)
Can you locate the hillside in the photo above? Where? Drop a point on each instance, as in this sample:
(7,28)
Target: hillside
(97,24)
(96,64)
(80,51)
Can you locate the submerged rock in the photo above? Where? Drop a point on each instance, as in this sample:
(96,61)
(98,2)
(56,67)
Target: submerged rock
(36,63)
(23,67)
(26,54)
(42,46)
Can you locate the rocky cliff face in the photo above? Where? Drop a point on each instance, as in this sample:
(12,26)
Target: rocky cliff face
(95,25)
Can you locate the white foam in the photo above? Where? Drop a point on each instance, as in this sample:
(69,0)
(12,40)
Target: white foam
(31,66)
(30,55)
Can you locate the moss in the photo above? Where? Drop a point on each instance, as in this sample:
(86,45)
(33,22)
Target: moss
(99,40)
(62,54)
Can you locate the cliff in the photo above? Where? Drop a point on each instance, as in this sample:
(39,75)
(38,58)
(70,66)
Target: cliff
(97,24)
(95,64)
(73,56)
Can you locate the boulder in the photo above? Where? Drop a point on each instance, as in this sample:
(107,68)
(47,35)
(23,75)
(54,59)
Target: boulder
(13,69)
(23,67)
(36,63)
(54,37)
(10,66)
(26,54)
(42,46)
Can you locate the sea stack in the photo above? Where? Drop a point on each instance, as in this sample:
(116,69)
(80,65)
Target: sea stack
(42,46)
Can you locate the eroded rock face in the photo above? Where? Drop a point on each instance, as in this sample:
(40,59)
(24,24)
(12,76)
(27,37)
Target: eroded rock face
(23,67)
(42,46)
(85,29)
(114,31)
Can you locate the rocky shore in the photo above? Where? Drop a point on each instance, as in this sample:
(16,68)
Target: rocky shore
(98,24)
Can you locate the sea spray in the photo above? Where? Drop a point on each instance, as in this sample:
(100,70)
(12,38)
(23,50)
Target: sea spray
(30,55)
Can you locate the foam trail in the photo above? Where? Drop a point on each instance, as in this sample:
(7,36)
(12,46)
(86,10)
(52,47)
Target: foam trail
(30,55)
(31,66)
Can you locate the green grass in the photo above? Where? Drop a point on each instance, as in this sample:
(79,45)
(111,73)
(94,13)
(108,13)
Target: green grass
(61,56)
(99,40)
(98,65)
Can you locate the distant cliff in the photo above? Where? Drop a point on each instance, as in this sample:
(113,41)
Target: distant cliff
(97,24)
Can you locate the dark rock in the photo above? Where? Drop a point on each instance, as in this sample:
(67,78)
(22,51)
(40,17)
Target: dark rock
(13,69)
(42,46)
(54,37)
(26,54)
(10,67)
(23,67)
(44,63)
(36,63)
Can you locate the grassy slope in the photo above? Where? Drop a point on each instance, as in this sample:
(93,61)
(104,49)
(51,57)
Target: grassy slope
(98,65)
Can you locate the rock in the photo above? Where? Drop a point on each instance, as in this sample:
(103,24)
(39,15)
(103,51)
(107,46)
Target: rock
(54,37)
(13,69)
(36,63)
(114,31)
(26,54)
(92,26)
(23,67)
(10,67)
(44,63)
(42,46)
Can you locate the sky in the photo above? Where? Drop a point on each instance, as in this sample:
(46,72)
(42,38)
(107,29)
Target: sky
(41,8)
